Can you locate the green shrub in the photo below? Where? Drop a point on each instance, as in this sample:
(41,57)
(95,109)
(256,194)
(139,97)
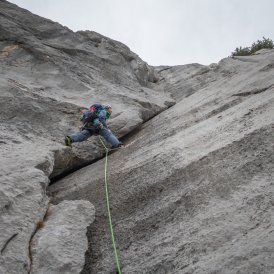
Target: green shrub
(260,44)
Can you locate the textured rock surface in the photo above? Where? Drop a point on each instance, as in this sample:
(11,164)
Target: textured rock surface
(58,247)
(183,81)
(192,192)
(23,203)
(52,73)
(48,75)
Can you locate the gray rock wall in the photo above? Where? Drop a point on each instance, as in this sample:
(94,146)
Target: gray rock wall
(190,193)
(59,245)
(49,74)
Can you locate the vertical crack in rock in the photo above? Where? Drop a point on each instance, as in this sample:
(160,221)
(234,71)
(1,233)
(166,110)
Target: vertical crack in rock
(39,225)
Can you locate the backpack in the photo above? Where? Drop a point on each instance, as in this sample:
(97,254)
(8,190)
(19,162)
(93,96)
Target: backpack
(91,114)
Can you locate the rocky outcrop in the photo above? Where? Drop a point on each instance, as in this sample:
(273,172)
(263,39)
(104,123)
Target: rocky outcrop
(190,193)
(59,244)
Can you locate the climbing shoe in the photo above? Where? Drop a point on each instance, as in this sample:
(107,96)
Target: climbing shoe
(121,145)
(68,141)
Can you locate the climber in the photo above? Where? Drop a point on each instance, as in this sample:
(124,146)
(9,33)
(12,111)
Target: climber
(94,123)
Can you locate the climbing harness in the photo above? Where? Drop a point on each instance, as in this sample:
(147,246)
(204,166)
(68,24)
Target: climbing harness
(108,209)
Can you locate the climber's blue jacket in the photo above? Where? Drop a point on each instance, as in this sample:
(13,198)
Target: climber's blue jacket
(103,115)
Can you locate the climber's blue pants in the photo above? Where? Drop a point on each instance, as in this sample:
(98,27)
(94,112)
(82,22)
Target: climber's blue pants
(85,134)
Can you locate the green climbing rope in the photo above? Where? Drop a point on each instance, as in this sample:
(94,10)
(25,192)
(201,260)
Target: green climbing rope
(109,212)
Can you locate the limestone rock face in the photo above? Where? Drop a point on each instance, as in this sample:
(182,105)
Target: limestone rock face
(49,74)
(183,81)
(192,191)
(23,203)
(58,246)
